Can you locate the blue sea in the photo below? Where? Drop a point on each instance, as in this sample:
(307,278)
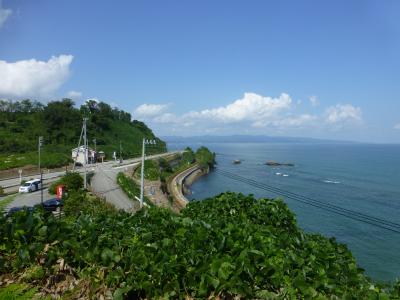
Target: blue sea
(360,177)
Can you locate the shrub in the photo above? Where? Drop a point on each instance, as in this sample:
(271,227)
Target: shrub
(72,181)
(205,158)
(130,187)
(164,165)
(151,170)
(227,247)
(78,203)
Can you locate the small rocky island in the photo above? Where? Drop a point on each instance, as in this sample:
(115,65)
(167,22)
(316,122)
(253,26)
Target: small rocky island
(276,164)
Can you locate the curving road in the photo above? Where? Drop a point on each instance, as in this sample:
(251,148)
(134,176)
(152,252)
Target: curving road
(30,199)
(104,183)
(175,186)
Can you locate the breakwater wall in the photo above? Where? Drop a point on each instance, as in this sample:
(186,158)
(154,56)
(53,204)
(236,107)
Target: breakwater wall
(180,184)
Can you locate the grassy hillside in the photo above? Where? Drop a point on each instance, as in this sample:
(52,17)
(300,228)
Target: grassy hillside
(60,122)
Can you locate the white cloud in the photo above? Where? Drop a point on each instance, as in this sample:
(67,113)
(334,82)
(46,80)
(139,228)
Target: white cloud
(149,110)
(314,100)
(33,78)
(343,113)
(252,107)
(300,121)
(397,126)
(252,113)
(166,118)
(4,14)
(252,110)
(74,95)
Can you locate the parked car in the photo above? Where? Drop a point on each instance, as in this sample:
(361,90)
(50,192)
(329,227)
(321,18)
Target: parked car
(13,210)
(30,186)
(52,204)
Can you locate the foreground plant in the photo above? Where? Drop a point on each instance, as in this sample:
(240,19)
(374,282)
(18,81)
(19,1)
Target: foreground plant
(227,246)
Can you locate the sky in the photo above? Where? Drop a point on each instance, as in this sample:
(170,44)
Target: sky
(321,69)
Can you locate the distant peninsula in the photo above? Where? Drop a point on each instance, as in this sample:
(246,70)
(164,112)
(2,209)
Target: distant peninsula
(249,139)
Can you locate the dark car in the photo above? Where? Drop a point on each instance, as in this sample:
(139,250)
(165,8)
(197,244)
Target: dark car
(52,204)
(13,210)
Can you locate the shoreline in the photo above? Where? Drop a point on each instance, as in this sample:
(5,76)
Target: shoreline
(181,182)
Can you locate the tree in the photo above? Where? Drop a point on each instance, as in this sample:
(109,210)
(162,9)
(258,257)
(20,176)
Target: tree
(62,121)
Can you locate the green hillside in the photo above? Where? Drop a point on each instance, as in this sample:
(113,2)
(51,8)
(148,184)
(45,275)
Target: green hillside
(60,123)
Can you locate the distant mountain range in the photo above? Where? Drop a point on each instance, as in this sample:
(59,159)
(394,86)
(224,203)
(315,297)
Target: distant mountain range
(247,139)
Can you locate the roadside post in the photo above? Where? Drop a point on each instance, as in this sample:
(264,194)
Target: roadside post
(20,175)
(145,142)
(40,143)
(85,141)
(95,152)
(60,189)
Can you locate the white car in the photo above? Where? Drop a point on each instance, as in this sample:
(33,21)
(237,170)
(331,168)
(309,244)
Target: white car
(30,186)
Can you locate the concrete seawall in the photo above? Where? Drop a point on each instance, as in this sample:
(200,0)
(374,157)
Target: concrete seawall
(180,183)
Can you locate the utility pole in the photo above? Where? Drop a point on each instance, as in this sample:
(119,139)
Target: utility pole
(40,143)
(79,144)
(153,142)
(95,152)
(120,152)
(86,151)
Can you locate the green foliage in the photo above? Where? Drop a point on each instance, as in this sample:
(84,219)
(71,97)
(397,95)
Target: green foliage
(72,181)
(33,273)
(4,202)
(205,158)
(78,203)
(164,165)
(50,158)
(59,122)
(130,187)
(151,170)
(17,292)
(226,246)
(188,157)
(396,289)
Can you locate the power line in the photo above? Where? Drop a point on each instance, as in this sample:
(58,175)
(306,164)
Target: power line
(381,223)
(280,191)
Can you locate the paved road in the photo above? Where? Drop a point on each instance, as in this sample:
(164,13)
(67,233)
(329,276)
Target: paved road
(14,182)
(175,186)
(29,199)
(11,185)
(104,183)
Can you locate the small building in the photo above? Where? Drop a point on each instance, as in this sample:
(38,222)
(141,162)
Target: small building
(78,155)
(101,156)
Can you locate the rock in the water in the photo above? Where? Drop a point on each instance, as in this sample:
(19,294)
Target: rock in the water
(276,164)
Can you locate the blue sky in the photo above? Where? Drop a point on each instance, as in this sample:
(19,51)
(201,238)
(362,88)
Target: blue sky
(305,68)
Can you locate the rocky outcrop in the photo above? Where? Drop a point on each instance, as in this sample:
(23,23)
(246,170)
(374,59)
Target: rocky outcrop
(276,164)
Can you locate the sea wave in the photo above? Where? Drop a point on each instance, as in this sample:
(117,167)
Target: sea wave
(281,174)
(332,181)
